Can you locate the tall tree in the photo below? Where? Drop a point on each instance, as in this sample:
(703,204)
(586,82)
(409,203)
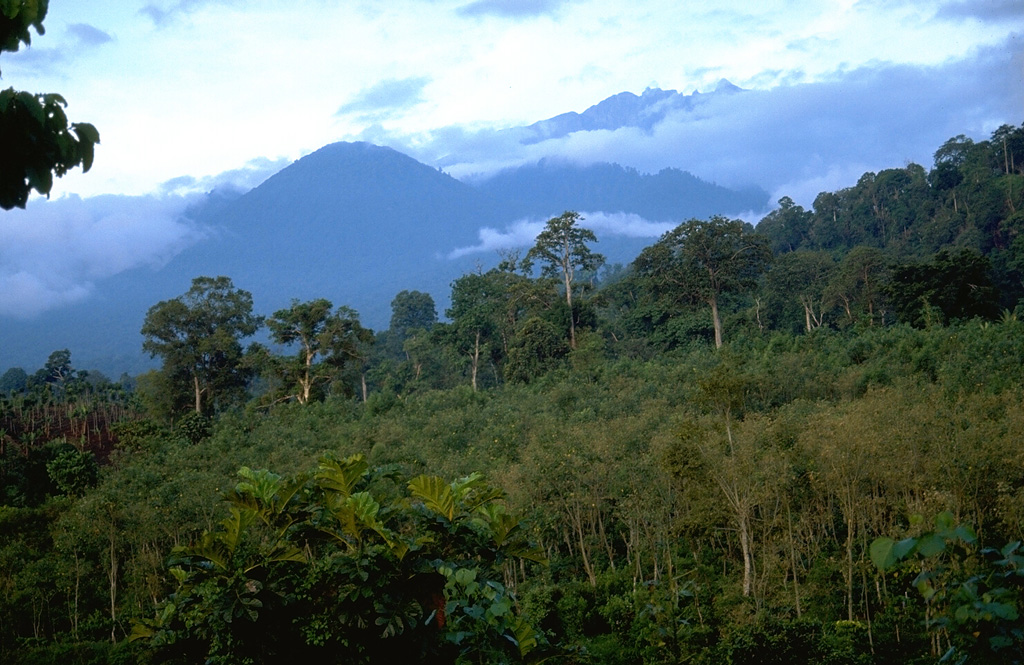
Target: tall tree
(327,342)
(477,306)
(857,282)
(412,310)
(704,260)
(199,335)
(562,248)
(787,227)
(804,275)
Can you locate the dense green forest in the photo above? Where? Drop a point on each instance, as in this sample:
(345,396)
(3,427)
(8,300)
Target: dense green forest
(795,442)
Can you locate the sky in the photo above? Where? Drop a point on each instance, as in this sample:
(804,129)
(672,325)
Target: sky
(191,94)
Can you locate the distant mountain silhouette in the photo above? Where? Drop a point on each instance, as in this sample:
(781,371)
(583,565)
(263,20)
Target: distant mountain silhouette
(623,110)
(348,214)
(355,223)
(670,195)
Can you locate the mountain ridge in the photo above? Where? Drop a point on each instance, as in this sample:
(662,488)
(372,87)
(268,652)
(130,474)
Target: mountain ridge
(624,109)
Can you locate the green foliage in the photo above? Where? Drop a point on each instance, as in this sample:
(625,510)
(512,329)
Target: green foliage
(13,380)
(537,348)
(193,427)
(347,560)
(562,249)
(976,600)
(133,434)
(695,505)
(73,472)
(479,327)
(951,286)
(198,335)
(16,17)
(328,344)
(704,261)
(412,310)
(787,227)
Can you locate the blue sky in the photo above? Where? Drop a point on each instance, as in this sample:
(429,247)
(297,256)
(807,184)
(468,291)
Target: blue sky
(188,94)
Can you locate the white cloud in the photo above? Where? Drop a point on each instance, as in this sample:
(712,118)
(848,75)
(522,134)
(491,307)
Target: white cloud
(384,98)
(242,179)
(268,78)
(524,232)
(55,251)
(512,8)
(521,233)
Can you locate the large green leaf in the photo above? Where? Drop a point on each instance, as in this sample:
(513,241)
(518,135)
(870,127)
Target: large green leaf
(886,552)
(435,494)
(341,475)
(931,544)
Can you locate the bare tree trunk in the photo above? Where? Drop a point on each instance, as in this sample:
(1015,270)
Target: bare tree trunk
(849,568)
(716,320)
(78,581)
(792,558)
(476,357)
(748,555)
(577,521)
(572,315)
(112,577)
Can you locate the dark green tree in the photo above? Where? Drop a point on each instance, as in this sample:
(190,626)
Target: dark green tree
(803,276)
(538,347)
(476,316)
(703,260)
(73,471)
(787,227)
(562,249)
(13,380)
(199,336)
(38,143)
(58,368)
(857,283)
(954,285)
(327,342)
(412,310)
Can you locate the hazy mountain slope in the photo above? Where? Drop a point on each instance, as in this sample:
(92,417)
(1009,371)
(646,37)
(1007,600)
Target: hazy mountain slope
(342,217)
(670,195)
(355,223)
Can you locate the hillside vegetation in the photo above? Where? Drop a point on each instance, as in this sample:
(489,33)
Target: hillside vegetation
(696,458)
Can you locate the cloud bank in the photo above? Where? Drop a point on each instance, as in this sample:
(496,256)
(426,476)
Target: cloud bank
(240,180)
(988,11)
(385,98)
(78,40)
(511,8)
(524,232)
(54,252)
(795,140)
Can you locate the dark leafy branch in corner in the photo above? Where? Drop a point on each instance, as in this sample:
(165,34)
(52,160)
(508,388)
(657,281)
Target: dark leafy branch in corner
(34,131)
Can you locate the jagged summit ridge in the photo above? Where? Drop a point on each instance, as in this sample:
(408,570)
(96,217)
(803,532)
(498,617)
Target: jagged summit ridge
(624,109)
